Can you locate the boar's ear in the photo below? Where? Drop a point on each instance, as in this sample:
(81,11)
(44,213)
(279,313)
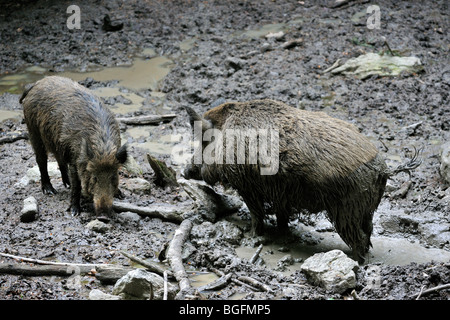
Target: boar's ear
(122,154)
(86,151)
(193,116)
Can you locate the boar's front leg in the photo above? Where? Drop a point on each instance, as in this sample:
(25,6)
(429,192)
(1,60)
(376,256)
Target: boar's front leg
(75,193)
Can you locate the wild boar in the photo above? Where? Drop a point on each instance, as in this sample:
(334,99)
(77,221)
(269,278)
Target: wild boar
(69,121)
(320,164)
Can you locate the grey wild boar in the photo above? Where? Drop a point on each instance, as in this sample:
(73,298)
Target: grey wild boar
(68,120)
(320,164)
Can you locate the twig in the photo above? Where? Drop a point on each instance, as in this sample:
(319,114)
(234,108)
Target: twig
(13,137)
(149,119)
(420,293)
(175,259)
(437,288)
(355,295)
(162,211)
(334,66)
(255,257)
(165,285)
(43,270)
(216,284)
(255,283)
(150,266)
(66,264)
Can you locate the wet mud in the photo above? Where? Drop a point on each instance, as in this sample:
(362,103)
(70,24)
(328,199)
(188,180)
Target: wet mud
(172,54)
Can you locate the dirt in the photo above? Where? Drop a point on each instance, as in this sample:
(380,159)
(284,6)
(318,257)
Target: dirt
(218,50)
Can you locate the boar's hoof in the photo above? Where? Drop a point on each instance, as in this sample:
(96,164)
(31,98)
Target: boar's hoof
(48,189)
(74,210)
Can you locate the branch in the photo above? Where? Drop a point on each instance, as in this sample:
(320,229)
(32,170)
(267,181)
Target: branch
(175,259)
(43,270)
(66,264)
(162,211)
(149,119)
(150,266)
(437,288)
(13,137)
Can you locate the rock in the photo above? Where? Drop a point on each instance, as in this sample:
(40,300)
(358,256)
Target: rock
(275,35)
(143,285)
(98,226)
(332,270)
(292,43)
(128,216)
(284,262)
(445,162)
(34,175)
(265,47)
(221,231)
(30,210)
(96,294)
(370,64)
(435,234)
(234,63)
(136,185)
(132,167)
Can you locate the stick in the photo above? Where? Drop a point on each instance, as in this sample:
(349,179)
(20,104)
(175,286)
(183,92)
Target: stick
(162,211)
(66,264)
(149,119)
(165,285)
(174,256)
(150,266)
(334,66)
(216,284)
(13,137)
(43,270)
(255,283)
(437,288)
(256,255)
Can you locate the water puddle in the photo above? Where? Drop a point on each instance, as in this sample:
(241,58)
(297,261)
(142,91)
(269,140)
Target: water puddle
(386,250)
(142,74)
(10,114)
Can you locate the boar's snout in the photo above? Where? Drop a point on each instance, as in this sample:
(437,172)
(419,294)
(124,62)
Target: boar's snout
(103,208)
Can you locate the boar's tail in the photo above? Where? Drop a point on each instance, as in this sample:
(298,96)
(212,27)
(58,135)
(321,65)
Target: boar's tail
(410,165)
(24,94)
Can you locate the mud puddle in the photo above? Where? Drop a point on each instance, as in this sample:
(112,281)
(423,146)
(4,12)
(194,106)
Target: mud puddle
(385,250)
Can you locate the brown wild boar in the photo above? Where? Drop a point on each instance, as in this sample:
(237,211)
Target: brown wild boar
(68,120)
(323,163)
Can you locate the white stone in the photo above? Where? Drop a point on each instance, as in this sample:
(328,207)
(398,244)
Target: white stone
(332,270)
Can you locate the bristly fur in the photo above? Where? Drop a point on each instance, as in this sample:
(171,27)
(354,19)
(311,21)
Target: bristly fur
(324,164)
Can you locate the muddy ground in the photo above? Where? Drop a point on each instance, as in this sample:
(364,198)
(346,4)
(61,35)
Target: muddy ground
(218,50)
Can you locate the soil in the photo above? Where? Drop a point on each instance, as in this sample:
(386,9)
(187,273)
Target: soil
(218,50)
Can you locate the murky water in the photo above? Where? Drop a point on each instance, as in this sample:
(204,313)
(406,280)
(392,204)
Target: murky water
(386,250)
(142,74)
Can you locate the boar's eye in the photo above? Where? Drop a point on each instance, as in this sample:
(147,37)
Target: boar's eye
(94,180)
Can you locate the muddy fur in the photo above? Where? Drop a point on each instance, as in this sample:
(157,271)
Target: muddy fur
(66,119)
(324,164)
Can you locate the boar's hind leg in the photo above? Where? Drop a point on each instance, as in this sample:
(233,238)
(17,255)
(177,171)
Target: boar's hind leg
(75,193)
(354,225)
(41,159)
(256,208)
